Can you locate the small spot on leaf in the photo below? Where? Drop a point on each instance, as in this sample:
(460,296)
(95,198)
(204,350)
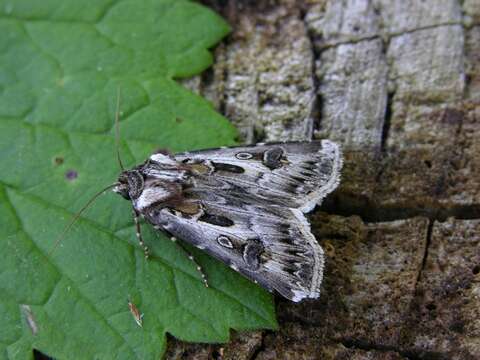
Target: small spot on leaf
(58,160)
(71,175)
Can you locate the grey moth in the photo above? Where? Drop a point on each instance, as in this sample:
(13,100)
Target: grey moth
(243,205)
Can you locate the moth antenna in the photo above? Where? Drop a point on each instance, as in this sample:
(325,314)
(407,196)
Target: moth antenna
(117,130)
(77,216)
(136,216)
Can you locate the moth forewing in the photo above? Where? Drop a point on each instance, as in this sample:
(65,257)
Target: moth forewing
(244,206)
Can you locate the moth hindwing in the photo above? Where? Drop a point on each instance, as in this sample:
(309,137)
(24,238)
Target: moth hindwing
(244,206)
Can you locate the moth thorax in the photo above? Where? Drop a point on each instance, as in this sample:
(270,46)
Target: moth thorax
(157,194)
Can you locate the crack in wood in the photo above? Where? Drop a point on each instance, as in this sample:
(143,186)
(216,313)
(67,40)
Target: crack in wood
(386,37)
(410,354)
(425,252)
(373,214)
(387,120)
(261,348)
(317,104)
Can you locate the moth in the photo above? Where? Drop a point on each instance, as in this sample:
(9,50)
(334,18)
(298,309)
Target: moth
(242,205)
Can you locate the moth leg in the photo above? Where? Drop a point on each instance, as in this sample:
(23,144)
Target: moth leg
(136,217)
(192,259)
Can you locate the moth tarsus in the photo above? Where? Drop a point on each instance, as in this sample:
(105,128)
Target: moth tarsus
(244,206)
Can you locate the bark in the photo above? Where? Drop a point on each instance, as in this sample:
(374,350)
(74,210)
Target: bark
(397,83)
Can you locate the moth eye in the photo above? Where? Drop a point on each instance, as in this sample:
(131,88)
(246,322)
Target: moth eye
(243,156)
(225,241)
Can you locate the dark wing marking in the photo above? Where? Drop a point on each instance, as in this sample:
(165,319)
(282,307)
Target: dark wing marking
(270,244)
(296,175)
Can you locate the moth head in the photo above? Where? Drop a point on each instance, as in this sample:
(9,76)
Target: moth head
(130,184)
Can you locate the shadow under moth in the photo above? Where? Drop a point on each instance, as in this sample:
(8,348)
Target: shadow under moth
(243,205)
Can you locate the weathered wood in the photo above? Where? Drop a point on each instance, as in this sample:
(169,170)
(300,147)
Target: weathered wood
(397,83)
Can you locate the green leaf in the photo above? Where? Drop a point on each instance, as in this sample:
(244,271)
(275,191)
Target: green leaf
(61,63)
